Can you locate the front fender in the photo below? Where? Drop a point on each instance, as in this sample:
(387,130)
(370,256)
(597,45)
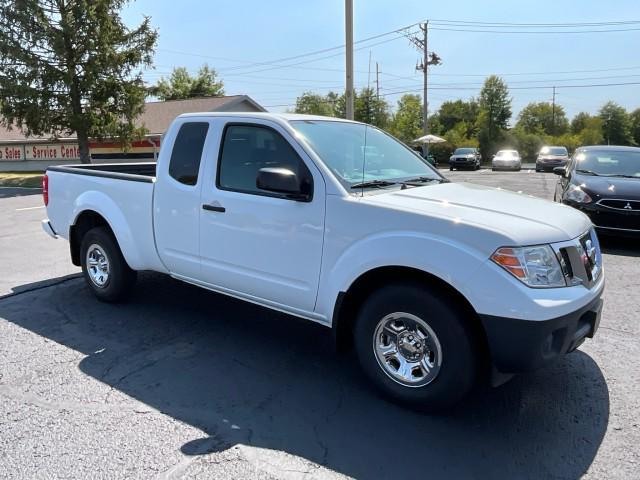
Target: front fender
(451,261)
(107,208)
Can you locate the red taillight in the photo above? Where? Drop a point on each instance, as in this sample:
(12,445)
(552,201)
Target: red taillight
(45,189)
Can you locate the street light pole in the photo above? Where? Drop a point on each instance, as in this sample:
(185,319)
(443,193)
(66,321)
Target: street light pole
(348,18)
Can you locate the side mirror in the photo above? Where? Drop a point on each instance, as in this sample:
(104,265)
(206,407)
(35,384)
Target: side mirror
(562,171)
(283,180)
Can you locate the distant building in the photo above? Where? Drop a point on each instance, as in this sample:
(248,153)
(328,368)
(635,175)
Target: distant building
(21,153)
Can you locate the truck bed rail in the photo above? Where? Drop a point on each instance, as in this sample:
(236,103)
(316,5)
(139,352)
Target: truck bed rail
(134,172)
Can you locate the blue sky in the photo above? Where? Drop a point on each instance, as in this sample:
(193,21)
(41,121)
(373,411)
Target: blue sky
(231,35)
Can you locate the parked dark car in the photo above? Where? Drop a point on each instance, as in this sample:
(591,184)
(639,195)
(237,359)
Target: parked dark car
(604,183)
(465,158)
(429,158)
(551,157)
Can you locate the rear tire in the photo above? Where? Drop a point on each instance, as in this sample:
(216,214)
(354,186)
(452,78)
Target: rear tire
(416,346)
(451,169)
(103,266)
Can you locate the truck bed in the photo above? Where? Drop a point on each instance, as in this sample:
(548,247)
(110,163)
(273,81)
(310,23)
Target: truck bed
(135,172)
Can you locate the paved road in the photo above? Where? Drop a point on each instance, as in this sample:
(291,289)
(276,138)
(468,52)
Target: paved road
(181,382)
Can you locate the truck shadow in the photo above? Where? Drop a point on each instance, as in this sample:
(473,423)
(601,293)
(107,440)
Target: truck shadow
(245,375)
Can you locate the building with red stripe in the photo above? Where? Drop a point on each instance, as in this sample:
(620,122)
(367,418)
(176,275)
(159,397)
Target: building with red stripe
(19,152)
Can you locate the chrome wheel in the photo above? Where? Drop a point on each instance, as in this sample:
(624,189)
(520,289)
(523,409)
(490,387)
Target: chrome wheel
(407,349)
(97,265)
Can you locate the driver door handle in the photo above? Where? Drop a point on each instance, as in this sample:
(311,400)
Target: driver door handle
(214,208)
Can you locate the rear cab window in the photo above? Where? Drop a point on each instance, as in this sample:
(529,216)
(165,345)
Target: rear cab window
(186,155)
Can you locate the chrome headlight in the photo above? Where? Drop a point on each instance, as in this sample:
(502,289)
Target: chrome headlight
(535,266)
(576,194)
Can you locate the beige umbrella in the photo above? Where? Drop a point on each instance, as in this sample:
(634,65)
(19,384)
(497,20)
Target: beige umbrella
(428,139)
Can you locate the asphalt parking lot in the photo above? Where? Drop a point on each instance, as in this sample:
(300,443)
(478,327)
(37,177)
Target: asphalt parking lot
(181,382)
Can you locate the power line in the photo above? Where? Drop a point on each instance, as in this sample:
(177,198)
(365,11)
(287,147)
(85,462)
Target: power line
(610,69)
(278,66)
(534,32)
(520,88)
(559,25)
(546,80)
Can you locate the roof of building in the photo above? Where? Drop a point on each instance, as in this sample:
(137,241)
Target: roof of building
(157,116)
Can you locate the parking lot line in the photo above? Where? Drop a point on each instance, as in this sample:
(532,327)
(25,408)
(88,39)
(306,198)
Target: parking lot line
(29,208)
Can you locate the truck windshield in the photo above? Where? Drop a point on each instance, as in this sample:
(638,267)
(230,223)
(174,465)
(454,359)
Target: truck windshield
(359,154)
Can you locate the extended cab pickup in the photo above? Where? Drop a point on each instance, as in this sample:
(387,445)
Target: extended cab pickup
(437,285)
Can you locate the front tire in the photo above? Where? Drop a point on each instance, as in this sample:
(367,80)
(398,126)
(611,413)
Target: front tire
(416,346)
(103,266)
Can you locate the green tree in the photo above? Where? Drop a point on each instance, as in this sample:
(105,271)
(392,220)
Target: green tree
(72,67)
(495,112)
(314,104)
(527,143)
(635,125)
(616,124)
(406,123)
(543,118)
(182,85)
(451,113)
(368,108)
(591,133)
(579,122)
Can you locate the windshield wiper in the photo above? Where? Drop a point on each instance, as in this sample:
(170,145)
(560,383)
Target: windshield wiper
(622,175)
(424,180)
(587,172)
(373,183)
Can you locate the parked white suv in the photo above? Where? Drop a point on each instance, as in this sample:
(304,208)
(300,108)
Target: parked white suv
(434,283)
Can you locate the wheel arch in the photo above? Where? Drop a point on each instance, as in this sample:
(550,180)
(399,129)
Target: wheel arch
(84,221)
(348,302)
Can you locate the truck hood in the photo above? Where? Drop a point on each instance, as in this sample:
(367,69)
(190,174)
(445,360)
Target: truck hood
(519,218)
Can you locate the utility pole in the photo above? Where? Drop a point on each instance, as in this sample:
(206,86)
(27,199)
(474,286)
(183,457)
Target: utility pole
(428,58)
(377,81)
(425,76)
(348,19)
(553,115)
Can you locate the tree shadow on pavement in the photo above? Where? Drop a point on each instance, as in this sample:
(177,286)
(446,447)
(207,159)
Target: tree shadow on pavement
(246,375)
(8,192)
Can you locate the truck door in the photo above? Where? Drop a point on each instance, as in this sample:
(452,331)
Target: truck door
(176,201)
(257,244)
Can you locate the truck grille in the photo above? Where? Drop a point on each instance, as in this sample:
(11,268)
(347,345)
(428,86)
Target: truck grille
(581,259)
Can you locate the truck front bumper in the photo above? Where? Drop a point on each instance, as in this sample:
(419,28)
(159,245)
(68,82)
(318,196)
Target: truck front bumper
(518,345)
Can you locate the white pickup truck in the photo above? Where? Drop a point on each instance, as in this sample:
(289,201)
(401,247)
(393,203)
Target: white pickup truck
(437,285)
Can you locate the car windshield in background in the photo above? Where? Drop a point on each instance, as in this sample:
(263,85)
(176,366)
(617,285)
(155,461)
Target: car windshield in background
(507,154)
(609,163)
(558,151)
(463,151)
(359,153)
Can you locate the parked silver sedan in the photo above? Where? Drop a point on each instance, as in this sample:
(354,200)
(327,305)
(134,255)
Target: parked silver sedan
(506,160)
